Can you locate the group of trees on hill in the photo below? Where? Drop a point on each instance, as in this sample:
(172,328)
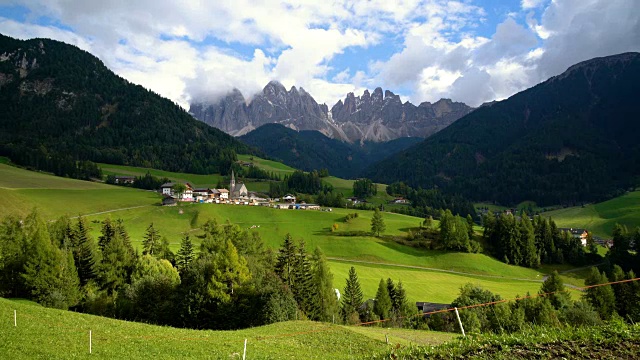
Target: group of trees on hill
(520,241)
(299,182)
(430,202)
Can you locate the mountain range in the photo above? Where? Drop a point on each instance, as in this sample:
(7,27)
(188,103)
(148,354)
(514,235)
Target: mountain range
(61,104)
(568,140)
(373,117)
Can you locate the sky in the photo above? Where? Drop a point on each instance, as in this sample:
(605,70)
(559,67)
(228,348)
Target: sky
(471,51)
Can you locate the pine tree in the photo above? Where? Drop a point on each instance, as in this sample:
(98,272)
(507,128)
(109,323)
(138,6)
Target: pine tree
(401,302)
(601,297)
(164,252)
(391,289)
(303,290)
(108,233)
(323,282)
(530,257)
(470,224)
(352,295)
(152,243)
(554,290)
(118,260)
(85,253)
(382,307)
(185,255)
(285,263)
(377,223)
(13,256)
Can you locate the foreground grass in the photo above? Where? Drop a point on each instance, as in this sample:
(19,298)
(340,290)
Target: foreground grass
(615,340)
(601,218)
(50,333)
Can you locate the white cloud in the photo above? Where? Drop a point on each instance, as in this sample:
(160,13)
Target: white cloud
(200,49)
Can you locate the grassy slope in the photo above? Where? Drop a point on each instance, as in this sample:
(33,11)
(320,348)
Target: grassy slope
(57,196)
(22,190)
(600,218)
(50,333)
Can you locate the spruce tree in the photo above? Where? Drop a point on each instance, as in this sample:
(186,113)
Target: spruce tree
(470,224)
(13,256)
(303,290)
(118,260)
(152,243)
(530,257)
(553,289)
(391,289)
(85,253)
(382,307)
(185,255)
(377,223)
(323,282)
(285,263)
(108,233)
(601,297)
(352,295)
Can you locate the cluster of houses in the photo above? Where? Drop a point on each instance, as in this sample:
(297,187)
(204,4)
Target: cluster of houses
(237,194)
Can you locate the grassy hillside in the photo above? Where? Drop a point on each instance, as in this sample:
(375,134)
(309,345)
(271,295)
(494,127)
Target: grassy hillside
(600,218)
(23,190)
(58,196)
(50,333)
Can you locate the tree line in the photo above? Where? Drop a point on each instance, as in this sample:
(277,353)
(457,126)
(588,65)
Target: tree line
(430,202)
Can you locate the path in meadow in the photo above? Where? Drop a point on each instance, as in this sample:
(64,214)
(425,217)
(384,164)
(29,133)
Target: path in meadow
(113,210)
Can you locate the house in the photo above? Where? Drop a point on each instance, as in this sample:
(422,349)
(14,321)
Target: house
(201,194)
(238,190)
(428,307)
(169,200)
(289,199)
(224,194)
(309,207)
(400,201)
(577,234)
(187,195)
(128,180)
(214,194)
(167,188)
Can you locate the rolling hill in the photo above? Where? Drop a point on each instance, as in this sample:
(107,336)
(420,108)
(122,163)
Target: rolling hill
(61,104)
(568,140)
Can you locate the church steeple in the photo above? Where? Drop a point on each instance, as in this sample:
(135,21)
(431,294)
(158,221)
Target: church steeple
(232,185)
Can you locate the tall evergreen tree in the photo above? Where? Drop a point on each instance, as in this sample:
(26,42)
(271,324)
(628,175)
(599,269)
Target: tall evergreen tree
(553,289)
(382,307)
(185,255)
(352,295)
(303,290)
(323,282)
(85,253)
(377,223)
(108,233)
(118,260)
(285,263)
(14,246)
(152,242)
(530,257)
(601,297)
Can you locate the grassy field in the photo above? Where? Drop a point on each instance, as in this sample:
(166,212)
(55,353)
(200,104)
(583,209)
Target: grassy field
(601,218)
(50,333)
(268,165)
(58,196)
(23,190)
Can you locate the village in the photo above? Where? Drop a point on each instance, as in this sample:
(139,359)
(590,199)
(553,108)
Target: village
(237,194)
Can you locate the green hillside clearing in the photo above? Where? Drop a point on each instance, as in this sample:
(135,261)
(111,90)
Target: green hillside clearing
(600,218)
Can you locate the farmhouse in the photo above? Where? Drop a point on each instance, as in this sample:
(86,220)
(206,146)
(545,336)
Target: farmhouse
(577,234)
(169,200)
(124,179)
(289,199)
(224,194)
(167,188)
(427,307)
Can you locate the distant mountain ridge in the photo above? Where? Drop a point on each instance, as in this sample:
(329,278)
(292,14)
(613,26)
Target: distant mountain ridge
(311,150)
(370,117)
(60,102)
(568,140)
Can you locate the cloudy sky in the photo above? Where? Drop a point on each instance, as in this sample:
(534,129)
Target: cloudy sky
(468,50)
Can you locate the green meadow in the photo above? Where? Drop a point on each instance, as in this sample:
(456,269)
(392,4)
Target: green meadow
(600,218)
(66,336)
(374,258)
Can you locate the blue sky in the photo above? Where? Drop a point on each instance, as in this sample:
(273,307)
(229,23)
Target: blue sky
(469,50)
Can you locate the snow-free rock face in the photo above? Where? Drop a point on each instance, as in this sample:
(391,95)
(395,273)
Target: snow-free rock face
(373,116)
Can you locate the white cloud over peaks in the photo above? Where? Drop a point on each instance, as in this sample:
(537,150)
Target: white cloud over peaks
(531,4)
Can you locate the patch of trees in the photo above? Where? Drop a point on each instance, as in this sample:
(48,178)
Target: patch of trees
(57,164)
(519,241)
(330,199)
(552,307)
(254,172)
(430,202)
(146,181)
(299,182)
(364,188)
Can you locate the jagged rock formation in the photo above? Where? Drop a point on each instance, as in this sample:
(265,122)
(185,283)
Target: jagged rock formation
(370,117)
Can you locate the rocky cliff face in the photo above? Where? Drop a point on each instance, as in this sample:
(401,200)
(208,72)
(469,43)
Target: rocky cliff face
(378,117)
(370,117)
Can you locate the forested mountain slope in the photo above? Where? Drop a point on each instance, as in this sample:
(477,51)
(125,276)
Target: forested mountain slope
(570,139)
(311,150)
(61,104)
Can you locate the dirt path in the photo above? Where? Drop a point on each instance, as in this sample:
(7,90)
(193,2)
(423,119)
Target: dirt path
(113,210)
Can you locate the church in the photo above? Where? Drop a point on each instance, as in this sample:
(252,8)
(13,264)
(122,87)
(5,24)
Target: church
(237,191)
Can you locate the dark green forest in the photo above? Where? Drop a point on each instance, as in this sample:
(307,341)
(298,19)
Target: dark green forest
(569,140)
(311,150)
(61,105)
